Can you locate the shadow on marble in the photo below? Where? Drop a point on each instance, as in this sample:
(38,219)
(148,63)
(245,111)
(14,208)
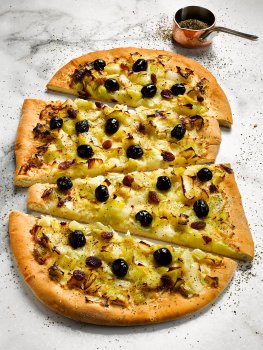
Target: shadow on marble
(59,95)
(197,53)
(226,130)
(245,266)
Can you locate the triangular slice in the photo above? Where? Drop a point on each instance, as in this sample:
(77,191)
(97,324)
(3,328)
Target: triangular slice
(83,138)
(197,206)
(76,270)
(142,77)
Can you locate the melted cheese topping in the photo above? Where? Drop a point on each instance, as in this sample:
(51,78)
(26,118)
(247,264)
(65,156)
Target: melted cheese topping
(92,84)
(148,128)
(189,273)
(174,219)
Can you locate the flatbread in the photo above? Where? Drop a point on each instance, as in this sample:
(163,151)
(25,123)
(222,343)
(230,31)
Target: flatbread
(223,231)
(77,304)
(215,99)
(43,155)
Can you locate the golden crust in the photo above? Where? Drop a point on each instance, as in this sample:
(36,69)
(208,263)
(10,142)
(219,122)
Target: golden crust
(25,145)
(242,238)
(212,135)
(241,241)
(72,304)
(218,102)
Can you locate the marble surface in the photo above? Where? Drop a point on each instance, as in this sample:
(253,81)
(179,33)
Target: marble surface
(37,38)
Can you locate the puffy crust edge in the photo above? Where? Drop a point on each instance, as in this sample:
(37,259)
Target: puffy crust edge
(72,304)
(242,238)
(211,134)
(218,101)
(25,144)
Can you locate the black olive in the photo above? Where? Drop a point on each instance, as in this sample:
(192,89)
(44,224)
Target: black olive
(112,126)
(134,152)
(178,89)
(111,85)
(178,131)
(56,123)
(82,126)
(163,183)
(85,151)
(144,217)
(119,267)
(149,90)
(201,208)
(140,65)
(76,239)
(204,174)
(102,193)
(163,256)
(93,261)
(64,183)
(99,64)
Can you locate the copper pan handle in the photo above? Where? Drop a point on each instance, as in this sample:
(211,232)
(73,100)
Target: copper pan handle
(210,33)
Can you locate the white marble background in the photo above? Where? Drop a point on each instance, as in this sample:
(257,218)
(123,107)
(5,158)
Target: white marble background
(37,38)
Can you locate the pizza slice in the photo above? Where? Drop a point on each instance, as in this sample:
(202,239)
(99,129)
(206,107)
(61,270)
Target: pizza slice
(197,206)
(141,77)
(84,138)
(92,274)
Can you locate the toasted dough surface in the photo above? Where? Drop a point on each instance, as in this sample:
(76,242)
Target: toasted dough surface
(26,145)
(238,245)
(71,303)
(218,103)
(242,238)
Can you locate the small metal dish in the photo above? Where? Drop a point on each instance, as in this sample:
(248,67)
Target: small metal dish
(202,37)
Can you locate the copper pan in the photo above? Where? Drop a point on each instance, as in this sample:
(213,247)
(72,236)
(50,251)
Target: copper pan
(199,38)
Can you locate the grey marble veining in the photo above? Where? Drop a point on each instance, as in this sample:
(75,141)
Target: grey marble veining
(37,38)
